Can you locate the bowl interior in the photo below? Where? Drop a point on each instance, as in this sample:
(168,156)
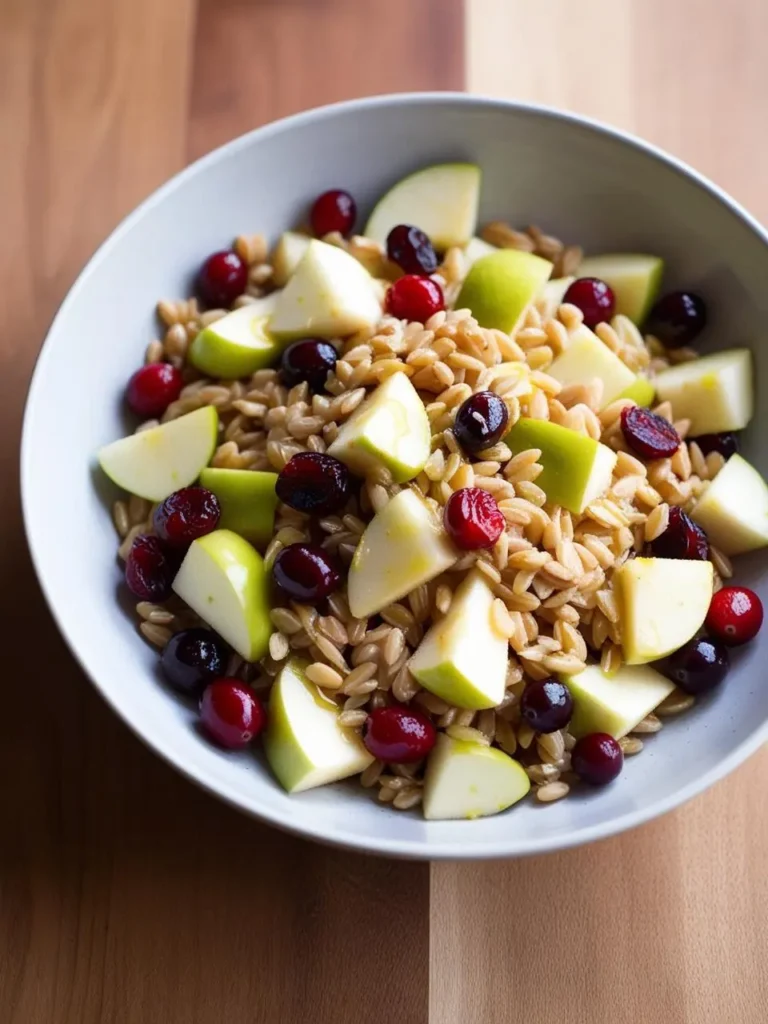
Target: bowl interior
(581,183)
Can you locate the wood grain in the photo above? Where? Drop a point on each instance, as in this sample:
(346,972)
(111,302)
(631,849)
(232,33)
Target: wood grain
(666,923)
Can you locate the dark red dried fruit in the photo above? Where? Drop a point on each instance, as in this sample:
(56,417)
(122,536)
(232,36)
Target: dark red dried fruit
(313,483)
(473,519)
(481,421)
(149,569)
(399,735)
(231,713)
(186,515)
(593,297)
(334,210)
(222,278)
(546,705)
(649,435)
(726,444)
(306,572)
(682,538)
(677,318)
(310,360)
(699,666)
(735,615)
(414,298)
(411,249)
(193,658)
(152,389)
(597,759)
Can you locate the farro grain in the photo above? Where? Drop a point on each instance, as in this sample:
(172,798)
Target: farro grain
(630,745)
(156,634)
(552,791)
(468,734)
(675,703)
(649,724)
(353,719)
(324,676)
(278,646)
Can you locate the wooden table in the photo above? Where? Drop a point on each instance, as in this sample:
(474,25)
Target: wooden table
(128,896)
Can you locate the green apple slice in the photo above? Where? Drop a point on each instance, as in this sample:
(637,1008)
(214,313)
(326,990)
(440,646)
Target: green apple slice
(576,469)
(441,200)
(551,296)
(303,741)
(715,392)
(248,501)
(390,429)
(734,508)
(238,344)
(614,704)
(475,249)
(586,358)
(329,295)
(223,579)
(634,278)
(156,462)
(664,601)
(462,658)
(469,780)
(641,391)
(403,546)
(499,288)
(287,255)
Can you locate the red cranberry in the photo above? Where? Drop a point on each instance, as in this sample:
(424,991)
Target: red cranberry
(649,435)
(597,759)
(725,444)
(152,389)
(411,250)
(334,210)
(593,297)
(193,658)
(415,298)
(186,515)
(473,519)
(682,538)
(231,713)
(546,705)
(149,569)
(735,615)
(677,318)
(306,572)
(222,278)
(480,422)
(699,666)
(314,483)
(399,735)
(309,360)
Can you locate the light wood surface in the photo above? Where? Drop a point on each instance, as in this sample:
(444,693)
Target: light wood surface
(667,923)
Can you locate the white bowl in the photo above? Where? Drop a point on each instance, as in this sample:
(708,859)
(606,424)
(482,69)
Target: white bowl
(580,181)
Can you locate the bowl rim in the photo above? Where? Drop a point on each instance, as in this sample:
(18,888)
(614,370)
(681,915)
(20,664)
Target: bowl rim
(510,845)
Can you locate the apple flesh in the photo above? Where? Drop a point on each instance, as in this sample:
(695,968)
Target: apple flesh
(303,742)
(614,704)
(499,288)
(223,579)
(734,508)
(634,278)
(248,501)
(475,249)
(330,295)
(390,429)
(586,358)
(715,392)
(403,546)
(664,601)
(469,780)
(462,658)
(287,255)
(576,470)
(442,200)
(156,462)
(552,294)
(238,344)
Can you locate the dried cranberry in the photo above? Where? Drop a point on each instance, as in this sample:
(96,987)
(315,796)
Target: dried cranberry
(149,569)
(222,278)
(314,483)
(310,360)
(726,444)
(231,713)
(398,735)
(415,298)
(677,318)
(480,422)
(649,435)
(699,666)
(334,210)
(186,515)
(306,572)
(681,539)
(193,658)
(593,297)
(152,389)
(735,615)
(411,250)
(546,705)
(597,759)
(473,519)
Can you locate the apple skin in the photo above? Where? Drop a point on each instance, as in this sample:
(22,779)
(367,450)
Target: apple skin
(734,509)
(467,780)
(248,501)
(499,288)
(641,391)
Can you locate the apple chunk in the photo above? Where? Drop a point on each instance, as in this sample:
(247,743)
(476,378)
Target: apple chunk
(330,295)
(390,429)
(634,278)
(475,249)
(287,255)
(223,579)
(248,501)
(614,704)
(499,288)
(734,508)
(303,742)
(586,358)
(156,462)
(469,780)
(462,658)
(577,469)
(664,601)
(551,296)
(715,392)
(403,546)
(238,344)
